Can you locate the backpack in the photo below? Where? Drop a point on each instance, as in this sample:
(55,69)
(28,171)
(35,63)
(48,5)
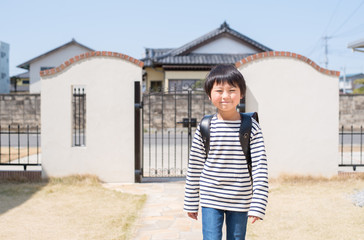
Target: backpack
(244,135)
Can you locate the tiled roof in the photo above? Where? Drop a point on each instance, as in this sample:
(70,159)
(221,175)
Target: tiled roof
(183,55)
(198,59)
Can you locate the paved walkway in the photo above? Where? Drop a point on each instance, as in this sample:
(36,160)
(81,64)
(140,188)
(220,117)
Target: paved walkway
(162,217)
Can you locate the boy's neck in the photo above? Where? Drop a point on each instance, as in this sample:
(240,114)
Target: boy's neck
(228,116)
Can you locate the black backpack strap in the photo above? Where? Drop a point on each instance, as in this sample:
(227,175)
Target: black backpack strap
(205,132)
(252,115)
(245,130)
(244,134)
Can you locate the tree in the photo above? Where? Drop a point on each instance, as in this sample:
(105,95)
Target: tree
(359,90)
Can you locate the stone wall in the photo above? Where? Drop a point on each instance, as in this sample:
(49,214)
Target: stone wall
(24,109)
(172,108)
(20,109)
(351,110)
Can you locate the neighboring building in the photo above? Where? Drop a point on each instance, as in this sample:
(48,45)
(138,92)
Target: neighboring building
(4,68)
(348,85)
(49,60)
(186,66)
(20,82)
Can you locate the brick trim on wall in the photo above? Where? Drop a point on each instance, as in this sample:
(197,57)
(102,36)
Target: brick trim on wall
(286,54)
(89,55)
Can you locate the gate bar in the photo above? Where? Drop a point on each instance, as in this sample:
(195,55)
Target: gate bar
(137,132)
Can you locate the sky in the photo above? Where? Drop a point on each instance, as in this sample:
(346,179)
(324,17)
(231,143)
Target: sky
(38,26)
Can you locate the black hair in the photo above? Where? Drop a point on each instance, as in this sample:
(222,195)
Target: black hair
(225,73)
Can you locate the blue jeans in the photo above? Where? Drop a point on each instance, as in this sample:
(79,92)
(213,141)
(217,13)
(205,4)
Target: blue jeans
(212,220)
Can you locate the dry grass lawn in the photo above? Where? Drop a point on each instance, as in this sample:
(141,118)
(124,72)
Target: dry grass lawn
(67,208)
(299,208)
(311,208)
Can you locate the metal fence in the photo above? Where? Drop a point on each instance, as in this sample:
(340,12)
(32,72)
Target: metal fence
(351,147)
(20,146)
(169,121)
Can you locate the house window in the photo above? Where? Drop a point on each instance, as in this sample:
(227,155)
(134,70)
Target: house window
(3,54)
(3,75)
(155,86)
(180,85)
(78,116)
(45,68)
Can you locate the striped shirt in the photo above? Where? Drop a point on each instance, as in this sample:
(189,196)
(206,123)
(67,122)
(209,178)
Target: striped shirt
(222,180)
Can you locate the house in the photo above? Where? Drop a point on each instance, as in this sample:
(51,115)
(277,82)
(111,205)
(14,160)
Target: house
(4,68)
(349,83)
(51,59)
(180,68)
(20,82)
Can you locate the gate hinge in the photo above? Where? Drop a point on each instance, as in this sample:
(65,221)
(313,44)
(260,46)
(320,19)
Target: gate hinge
(138,105)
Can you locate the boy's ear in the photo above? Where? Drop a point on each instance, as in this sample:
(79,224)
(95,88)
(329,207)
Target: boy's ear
(242,96)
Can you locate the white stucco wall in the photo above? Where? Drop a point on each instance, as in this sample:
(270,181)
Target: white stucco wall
(109,150)
(225,45)
(299,111)
(53,59)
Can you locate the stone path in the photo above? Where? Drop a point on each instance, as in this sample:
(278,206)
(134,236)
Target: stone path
(162,217)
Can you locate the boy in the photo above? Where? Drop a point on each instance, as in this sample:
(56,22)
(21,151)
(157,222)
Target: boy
(221,181)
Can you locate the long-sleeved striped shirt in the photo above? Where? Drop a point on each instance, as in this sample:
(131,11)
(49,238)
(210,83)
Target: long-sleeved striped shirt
(222,180)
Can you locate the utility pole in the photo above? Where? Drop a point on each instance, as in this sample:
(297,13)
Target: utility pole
(326,51)
(344,78)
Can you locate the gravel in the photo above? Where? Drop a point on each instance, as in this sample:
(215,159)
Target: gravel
(358,198)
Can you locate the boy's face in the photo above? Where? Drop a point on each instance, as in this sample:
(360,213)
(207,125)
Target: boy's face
(225,97)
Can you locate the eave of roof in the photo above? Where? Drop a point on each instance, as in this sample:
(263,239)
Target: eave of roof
(26,64)
(357,45)
(195,59)
(187,67)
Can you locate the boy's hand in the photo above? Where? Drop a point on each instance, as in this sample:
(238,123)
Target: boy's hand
(193,215)
(254,219)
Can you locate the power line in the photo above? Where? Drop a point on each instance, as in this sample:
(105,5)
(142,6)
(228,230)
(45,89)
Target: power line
(350,16)
(332,16)
(353,30)
(314,47)
(324,36)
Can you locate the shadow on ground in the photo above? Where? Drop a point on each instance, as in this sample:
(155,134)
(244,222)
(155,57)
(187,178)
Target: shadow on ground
(13,194)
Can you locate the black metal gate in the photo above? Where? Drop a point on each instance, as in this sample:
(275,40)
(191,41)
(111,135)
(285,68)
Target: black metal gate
(351,147)
(169,121)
